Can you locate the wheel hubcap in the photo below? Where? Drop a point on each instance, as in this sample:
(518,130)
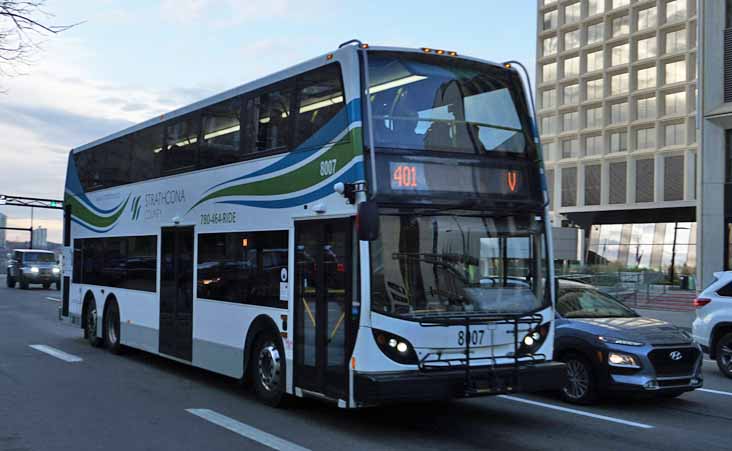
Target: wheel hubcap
(269,367)
(578,380)
(91,323)
(725,357)
(112,328)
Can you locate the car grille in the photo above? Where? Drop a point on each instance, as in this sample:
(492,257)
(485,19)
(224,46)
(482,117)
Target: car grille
(666,366)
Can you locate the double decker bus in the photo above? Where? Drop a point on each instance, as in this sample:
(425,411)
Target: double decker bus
(368,226)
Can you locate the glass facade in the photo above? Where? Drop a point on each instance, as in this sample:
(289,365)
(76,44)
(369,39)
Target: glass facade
(645,246)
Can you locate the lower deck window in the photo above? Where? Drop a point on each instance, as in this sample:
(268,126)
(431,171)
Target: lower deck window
(242,267)
(120,262)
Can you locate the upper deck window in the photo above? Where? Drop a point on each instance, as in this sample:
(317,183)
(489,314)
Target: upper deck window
(440,104)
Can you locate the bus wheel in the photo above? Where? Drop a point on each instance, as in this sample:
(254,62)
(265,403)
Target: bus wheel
(268,369)
(111,328)
(90,328)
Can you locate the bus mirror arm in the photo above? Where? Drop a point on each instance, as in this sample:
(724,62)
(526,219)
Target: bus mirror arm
(349,190)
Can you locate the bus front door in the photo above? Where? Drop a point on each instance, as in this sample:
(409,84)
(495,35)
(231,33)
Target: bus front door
(176,292)
(323,281)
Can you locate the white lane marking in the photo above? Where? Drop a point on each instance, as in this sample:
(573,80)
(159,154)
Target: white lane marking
(578,412)
(716,392)
(50,298)
(57,353)
(247,431)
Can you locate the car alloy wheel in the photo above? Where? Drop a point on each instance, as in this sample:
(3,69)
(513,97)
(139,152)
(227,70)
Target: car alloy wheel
(578,380)
(724,355)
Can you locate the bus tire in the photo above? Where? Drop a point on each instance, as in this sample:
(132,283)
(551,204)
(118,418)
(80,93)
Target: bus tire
(90,322)
(112,327)
(267,368)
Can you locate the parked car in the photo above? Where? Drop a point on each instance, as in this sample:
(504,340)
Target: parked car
(28,266)
(712,327)
(608,347)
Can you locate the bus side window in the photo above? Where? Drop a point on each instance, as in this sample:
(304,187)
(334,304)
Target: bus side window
(321,112)
(220,134)
(268,121)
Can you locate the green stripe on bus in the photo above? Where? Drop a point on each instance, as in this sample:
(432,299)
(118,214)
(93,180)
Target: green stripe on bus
(79,211)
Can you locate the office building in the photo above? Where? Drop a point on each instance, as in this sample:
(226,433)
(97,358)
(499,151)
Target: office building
(616,98)
(40,238)
(715,175)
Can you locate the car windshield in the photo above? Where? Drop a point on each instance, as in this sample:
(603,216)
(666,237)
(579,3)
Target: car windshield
(454,265)
(590,303)
(38,257)
(422,102)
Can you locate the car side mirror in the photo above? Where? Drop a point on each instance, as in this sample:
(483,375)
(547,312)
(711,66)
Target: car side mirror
(368,221)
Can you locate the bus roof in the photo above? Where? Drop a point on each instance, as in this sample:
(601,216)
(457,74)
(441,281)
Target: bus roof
(251,86)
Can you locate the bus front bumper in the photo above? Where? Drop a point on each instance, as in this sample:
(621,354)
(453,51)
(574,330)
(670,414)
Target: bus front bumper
(444,384)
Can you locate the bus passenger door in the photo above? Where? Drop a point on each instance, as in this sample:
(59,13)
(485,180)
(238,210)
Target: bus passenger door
(323,281)
(176,292)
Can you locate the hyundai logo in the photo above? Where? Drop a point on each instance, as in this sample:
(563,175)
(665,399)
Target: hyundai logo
(675,355)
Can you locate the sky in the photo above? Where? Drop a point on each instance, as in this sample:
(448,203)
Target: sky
(128,60)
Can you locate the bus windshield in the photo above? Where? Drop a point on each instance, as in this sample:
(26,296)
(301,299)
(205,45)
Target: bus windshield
(422,102)
(434,265)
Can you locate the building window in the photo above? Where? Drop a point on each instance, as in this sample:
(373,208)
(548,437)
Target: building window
(647,48)
(549,98)
(570,93)
(618,184)
(572,13)
(569,187)
(646,18)
(594,61)
(675,103)
(550,150)
(619,3)
(676,41)
(549,72)
(675,10)
(594,117)
(619,142)
(619,112)
(549,125)
(673,178)
(646,78)
(728,17)
(644,180)
(594,89)
(593,145)
(675,135)
(550,45)
(595,7)
(646,108)
(621,25)
(645,138)
(549,2)
(550,20)
(570,121)
(570,148)
(571,67)
(620,54)
(595,33)
(593,178)
(571,40)
(619,84)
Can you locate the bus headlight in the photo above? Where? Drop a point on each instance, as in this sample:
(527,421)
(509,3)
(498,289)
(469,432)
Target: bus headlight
(533,340)
(395,347)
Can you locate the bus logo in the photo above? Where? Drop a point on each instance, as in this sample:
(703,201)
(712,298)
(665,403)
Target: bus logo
(512,180)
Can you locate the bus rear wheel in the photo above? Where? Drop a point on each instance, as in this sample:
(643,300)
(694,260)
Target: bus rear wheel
(268,369)
(90,326)
(111,329)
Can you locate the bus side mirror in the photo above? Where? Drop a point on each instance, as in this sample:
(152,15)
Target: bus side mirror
(368,221)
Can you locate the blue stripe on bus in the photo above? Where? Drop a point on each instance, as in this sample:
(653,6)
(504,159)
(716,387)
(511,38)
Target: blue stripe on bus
(93,229)
(325,135)
(74,185)
(351,174)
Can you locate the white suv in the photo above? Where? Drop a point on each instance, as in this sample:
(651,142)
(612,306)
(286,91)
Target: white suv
(712,328)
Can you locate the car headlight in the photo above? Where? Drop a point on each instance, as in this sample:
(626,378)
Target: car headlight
(618,341)
(621,360)
(395,347)
(34,270)
(56,270)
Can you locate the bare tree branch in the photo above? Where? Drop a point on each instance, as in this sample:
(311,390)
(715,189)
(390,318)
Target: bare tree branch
(23,28)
